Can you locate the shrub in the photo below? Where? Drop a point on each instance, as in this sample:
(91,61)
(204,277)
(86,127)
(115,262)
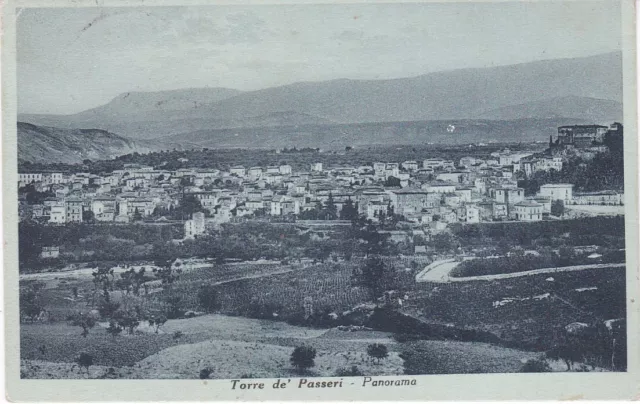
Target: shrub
(177,335)
(84,360)
(205,373)
(352,371)
(377,351)
(303,357)
(535,366)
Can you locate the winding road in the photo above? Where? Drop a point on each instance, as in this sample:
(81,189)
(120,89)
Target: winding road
(439,271)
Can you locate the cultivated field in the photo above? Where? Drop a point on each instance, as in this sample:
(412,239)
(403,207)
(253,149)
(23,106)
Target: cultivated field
(522,312)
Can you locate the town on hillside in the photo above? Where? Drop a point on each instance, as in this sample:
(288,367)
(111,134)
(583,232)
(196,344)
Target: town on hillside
(193,264)
(429,195)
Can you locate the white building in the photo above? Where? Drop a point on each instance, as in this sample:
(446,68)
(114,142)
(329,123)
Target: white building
(237,171)
(316,167)
(528,211)
(58,214)
(472,214)
(195,226)
(563,192)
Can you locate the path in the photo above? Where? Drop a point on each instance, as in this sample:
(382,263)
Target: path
(439,272)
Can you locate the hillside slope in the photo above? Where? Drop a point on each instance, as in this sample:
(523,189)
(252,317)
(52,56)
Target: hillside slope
(54,145)
(597,110)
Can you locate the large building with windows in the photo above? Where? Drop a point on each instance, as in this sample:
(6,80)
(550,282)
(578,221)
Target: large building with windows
(563,192)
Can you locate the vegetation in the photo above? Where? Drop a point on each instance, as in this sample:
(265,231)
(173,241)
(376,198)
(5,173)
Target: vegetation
(599,231)
(349,372)
(303,357)
(208,298)
(535,366)
(557,208)
(83,320)
(543,258)
(84,360)
(377,352)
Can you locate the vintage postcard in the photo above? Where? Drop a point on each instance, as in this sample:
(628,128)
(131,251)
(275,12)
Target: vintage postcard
(320,200)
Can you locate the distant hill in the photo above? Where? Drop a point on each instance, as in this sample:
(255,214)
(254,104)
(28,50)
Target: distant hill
(54,145)
(596,110)
(522,91)
(338,136)
(132,113)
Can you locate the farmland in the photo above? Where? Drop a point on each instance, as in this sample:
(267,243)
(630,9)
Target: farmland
(522,312)
(329,285)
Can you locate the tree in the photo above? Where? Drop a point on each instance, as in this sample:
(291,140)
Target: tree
(569,353)
(208,298)
(557,207)
(157,321)
(127,319)
(84,360)
(303,358)
(372,274)
(392,181)
(375,242)
(349,211)
(377,351)
(445,242)
(137,216)
(83,320)
(30,306)
(88,216)
(114,328)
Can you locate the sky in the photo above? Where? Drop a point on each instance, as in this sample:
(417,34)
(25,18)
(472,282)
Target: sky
(73,59)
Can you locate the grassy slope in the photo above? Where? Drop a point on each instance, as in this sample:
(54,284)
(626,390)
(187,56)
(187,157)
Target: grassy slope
(529,323)
(234,347)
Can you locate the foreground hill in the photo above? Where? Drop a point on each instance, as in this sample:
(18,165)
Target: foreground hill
(54,145)
(527,90)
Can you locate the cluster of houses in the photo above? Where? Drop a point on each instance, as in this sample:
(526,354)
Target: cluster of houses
(433,192)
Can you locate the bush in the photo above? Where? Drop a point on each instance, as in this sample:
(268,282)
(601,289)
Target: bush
(353,371)
(84,360)
(303,357)
(205,373)
(377,351)
(535,366)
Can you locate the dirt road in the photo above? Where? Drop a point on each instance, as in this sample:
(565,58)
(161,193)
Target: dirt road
(439,272)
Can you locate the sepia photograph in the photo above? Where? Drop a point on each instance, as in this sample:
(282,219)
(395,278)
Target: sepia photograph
(322,194)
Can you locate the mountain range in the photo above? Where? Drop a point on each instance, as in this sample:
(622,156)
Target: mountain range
(587,89)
